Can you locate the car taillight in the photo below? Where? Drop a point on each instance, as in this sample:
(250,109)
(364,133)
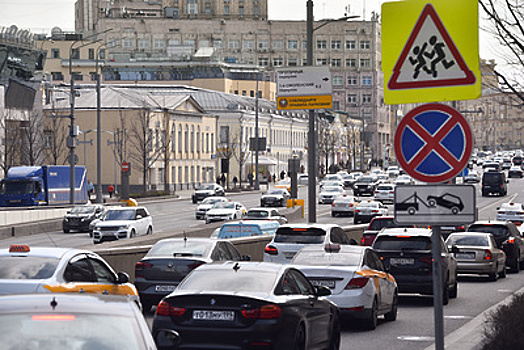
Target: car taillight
(502,212)
(391,192)
(333,204)
(375,211)
(426,259)
(356,283)
(357,211)
(271,250)
(350,205)
(362,241)
(511,240)
(141,266)
(165,309)
(487,255)
(265,312)
(377,191)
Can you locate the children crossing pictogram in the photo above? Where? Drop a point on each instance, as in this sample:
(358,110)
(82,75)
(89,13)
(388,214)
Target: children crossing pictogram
(430,57)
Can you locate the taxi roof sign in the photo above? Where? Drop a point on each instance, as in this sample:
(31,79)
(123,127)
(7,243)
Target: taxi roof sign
(430,51)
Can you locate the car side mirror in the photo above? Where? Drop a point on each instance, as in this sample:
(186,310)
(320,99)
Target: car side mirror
(245,258)
(167,339)
(122,277)
(321,291)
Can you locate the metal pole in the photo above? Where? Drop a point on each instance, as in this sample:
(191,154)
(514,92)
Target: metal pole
(437,289)
(72,131)
(98,135)
(312,180)
(257,180)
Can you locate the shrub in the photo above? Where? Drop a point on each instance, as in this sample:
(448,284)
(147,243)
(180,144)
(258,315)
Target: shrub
(504,328)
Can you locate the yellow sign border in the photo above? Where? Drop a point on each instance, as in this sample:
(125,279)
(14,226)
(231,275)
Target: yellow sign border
(305,102)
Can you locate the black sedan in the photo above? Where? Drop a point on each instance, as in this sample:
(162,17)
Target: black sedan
(170,260)
(249,305)
(275,197)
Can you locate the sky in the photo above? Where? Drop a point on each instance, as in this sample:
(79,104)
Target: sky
(39,16)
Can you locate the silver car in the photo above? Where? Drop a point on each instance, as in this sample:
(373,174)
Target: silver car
(385,193)
(344,205)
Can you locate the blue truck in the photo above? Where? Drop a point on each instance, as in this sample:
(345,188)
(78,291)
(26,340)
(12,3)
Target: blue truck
(42,185)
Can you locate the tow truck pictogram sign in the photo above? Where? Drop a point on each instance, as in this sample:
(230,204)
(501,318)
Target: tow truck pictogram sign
(430,51)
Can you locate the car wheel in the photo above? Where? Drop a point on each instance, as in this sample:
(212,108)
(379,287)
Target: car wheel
(194,200)
(432,203)
(453,293)
(371,322)
(207,221)
(455,210)
(149,231)
(412,211)
(132,234)
(503,273)
(300,339)
(392,315)
(445,294)
(493,276)
(334,342)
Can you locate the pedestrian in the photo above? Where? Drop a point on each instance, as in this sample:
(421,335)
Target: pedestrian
(235,180)
(282,175)
(90,188)
(110,190)
(274,177)
(250,178)
(223,180)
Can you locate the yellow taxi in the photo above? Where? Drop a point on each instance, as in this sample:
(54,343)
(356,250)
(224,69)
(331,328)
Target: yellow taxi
(25,269)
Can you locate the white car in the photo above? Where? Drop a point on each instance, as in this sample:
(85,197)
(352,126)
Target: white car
(344,205)
(359,283)
(207,204)
(225,211)
(393,171)
(385,193)
(290,238)
(123,222)
(404,180)
(367,210)
(328,194)
(511,211)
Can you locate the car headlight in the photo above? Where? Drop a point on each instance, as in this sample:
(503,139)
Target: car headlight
(123,227)
(66,219)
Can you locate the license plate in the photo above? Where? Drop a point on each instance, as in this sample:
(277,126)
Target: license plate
(289,255)
(165,288)
(402,261)
(465,256)
(214,315)
(327,284)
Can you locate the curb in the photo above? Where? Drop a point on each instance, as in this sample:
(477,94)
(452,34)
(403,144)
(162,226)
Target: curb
(471,335)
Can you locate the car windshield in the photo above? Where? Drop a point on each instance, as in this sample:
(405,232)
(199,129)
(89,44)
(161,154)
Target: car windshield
(303,235)
(258,213)
(180,248)
(365,179)
(385,188)
(238,280)
(212,200)
(83,210)
(205,187)
(120,215)
(322,258)
(69,331)
(277,191)
(402,243)
(495,230)
(379,224)
(471,240)
(331,189)
(27,268)
(224,205)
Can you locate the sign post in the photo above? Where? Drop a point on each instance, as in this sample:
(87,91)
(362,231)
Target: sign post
(125,173)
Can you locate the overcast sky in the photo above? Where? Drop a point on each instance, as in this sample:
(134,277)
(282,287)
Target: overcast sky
(40,16)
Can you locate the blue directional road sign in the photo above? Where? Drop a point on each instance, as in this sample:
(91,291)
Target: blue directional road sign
(433,143)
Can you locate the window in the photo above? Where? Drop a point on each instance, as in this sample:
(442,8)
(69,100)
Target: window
(143,44)
(234,44)
(198,139)
(321,44)
(278,62)
(365,45)
(102,272)
(128,43)
(352,99)
(366,80)
(263,62)
(186,139)
(173,138)
(263,44)
(48,139)
(192,138)
(226,9)
(336,62)
(292,62)
(79,270)
(55,53)
(180,140)
(365,63)
(159,43)
(322,62)
(192,7)
(241,10)
(75,54)
(57,76)
(366,98)
(292,44)
(249,44)
(351,62)
(336,45)
(278,45)
(337,80)
(352,81)
(351,44)
(91,54)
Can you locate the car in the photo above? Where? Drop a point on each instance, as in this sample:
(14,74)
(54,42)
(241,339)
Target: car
(302,179)
(123,223)
(333,177)
(447,200)
(403,180)
(265,214)
(169,260)
(275,197)
(285,184)
(385,193)
(472,176)
(344,204)
(494,182)
(365,184)
(393,171)
(207,190)
(477,253)
(512,211)
(225,211)
(359,283)
(249,305)
(506,163)
(246,228)
(290,238)
(367,210)
(382,178)
(29,269)
(80,217)
(328,193)
(508,238)
(377,224)
(349,180)
(517,159)
(63,321)
(516,171)
(491,166)
(407,254)
(207,203)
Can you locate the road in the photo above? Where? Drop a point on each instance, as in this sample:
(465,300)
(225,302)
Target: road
(414,327)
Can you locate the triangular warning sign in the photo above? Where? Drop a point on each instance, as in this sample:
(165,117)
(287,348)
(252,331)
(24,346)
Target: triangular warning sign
(430,57)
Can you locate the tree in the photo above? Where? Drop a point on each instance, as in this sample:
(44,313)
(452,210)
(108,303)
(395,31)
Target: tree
(506,20)
(240,153)
(55,134)
(31,137)
(10,142)
(225,148)
(326,140)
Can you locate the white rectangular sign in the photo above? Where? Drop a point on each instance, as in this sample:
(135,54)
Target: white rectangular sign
(303,81)
(435,204)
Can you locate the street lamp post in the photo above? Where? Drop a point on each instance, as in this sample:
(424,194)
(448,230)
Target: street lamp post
(86,142)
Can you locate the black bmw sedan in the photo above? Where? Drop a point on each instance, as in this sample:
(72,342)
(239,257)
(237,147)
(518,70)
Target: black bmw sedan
(249,305)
